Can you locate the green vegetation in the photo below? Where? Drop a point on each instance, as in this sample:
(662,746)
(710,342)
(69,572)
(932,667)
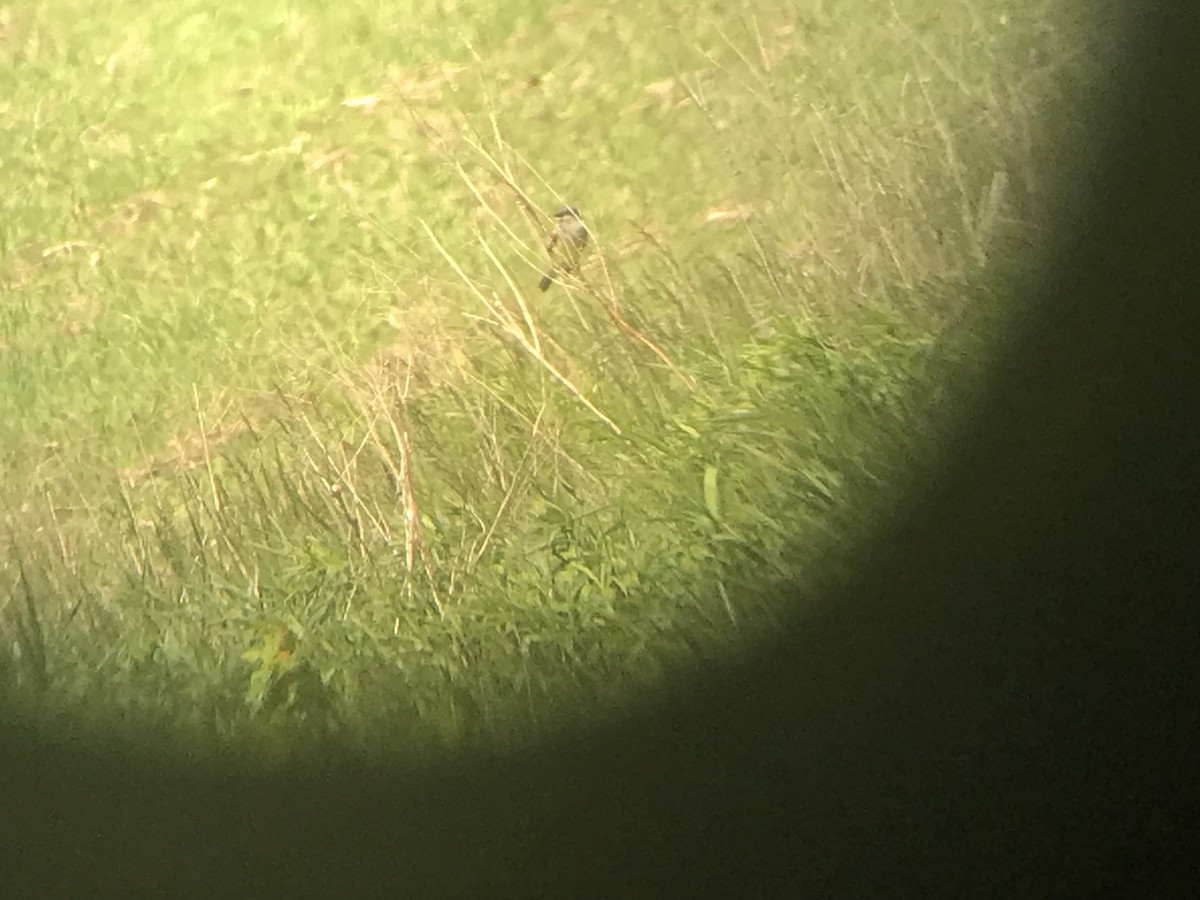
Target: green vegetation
(293,454)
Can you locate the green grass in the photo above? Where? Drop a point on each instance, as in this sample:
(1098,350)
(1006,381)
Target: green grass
(271,362)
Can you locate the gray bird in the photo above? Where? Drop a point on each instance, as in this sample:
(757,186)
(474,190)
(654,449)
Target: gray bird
(565,246)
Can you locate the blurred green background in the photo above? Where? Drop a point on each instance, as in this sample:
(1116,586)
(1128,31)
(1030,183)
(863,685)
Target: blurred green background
(294,457)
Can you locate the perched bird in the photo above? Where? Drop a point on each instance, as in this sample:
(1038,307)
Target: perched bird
(565,246)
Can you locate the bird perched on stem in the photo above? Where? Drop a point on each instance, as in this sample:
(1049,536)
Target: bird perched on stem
(565,246)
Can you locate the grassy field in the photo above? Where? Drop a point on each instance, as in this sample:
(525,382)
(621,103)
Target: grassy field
(295,456)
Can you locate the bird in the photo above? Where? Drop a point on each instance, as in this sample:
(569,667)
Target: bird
(565,246)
